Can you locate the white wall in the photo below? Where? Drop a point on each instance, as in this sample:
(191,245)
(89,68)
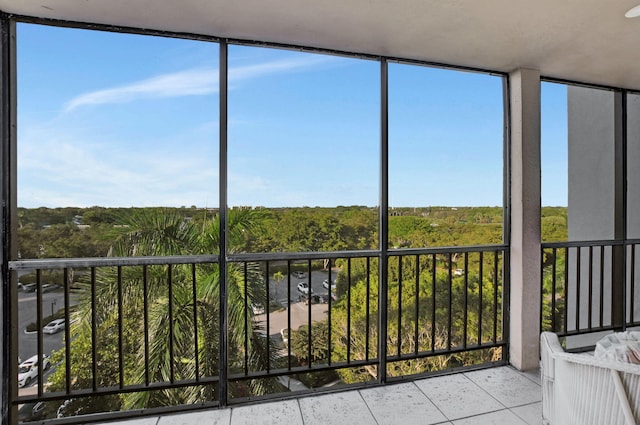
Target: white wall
(591,203)
(633,187)
(591,130)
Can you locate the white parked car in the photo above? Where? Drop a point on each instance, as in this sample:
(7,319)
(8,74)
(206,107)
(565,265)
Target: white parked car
(304,288)
(325,284)
(29,287)
(54,326)
(284,332)
(48,287)
(28,370)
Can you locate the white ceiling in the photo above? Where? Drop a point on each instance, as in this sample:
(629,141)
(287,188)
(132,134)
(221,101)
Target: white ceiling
(583,40)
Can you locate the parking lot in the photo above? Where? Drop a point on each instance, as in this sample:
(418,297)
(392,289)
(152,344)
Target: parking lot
(28,341)
(290,296)
(278,290)
(27,313)
(285,292)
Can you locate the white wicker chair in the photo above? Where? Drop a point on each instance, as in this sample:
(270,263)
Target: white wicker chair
(582,390)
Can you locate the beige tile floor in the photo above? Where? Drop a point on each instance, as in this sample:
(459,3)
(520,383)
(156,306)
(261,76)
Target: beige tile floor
(496,396)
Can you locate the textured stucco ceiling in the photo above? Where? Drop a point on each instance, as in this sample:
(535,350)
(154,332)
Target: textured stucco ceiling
(583,40)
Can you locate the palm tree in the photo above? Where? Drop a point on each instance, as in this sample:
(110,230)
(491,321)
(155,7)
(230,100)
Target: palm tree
(181,310)
(278,277)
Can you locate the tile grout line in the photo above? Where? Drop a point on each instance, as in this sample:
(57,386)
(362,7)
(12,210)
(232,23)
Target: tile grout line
(482,414)
(431,401)
(521,418)
(375,420)
(491,395)
(530,378)
(485,391)
(528,404)
(230,414)
(525,404)
(300,410)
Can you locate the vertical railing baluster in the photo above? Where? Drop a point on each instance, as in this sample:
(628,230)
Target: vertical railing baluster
(553,289)
(349,310)
(632,283)
(145,307)
(578,284)
(267,311)
(246,317)
(94,332)
(368,308)
(67,328)
(602,252)
(329,314)
(602,281)
(416,328)
(566,290)
(480,299)
(120,330)
(309,339)
(495,296)
(450,299)
(172,369)
(505,291)
(466,300)
(400,273)
(433,302)
(67,332)
(590,295)
(289,314)
(39,334)
(194,294)
(542,294)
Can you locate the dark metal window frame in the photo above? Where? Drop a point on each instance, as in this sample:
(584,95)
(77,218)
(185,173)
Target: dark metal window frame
(8,160)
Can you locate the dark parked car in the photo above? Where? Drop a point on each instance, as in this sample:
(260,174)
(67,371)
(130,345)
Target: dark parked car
(315,299)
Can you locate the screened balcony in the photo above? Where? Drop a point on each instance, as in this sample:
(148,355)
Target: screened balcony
(311,323)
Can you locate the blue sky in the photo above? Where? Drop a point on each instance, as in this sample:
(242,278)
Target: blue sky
(127,120)
(554,146)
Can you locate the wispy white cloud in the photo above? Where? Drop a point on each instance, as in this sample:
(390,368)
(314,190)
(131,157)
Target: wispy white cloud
(192,82)
(65,172)
(184,83)
(273,67)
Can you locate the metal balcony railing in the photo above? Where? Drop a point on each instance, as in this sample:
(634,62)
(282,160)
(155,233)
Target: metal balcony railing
(150,334)
(590,286)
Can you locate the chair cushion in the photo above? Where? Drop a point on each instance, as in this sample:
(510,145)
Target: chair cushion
(621,347)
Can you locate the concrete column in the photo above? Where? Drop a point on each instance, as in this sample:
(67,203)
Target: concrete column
(524,316)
